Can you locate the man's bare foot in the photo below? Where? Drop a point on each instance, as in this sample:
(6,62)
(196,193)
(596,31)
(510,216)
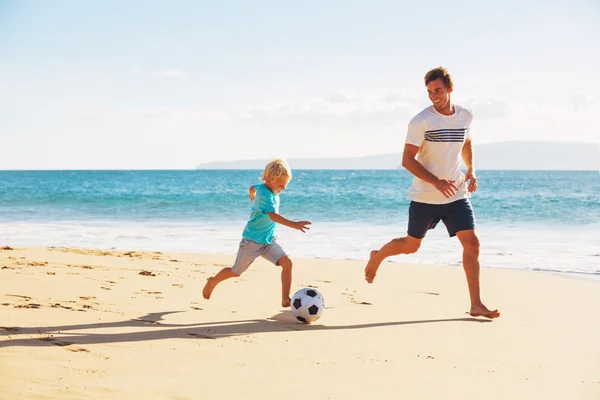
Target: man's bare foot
(372,266)
(208,288)
(482,311)
(285,303)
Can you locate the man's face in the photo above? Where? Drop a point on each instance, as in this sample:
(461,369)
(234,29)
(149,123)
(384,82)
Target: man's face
(439,95)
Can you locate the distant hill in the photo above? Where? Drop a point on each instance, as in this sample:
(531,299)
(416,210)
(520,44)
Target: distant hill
(568,156)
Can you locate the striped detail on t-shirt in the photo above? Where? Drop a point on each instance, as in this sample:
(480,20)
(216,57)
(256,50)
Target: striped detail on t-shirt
(446,135)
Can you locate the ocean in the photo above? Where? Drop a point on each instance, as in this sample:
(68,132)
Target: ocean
(533,220)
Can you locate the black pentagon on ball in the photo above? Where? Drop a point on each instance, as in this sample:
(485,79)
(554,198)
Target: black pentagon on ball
(301,319)
(313,310)
(311,293)
(297,303)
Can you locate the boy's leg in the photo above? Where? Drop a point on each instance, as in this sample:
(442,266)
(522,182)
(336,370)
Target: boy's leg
(247,253)
(470,243)
(277,255)
(403,245)
(286,280)
(211,282)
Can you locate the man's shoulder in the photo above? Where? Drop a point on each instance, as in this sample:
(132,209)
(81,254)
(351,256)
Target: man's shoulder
(463,110)
(424,113)
(420,116)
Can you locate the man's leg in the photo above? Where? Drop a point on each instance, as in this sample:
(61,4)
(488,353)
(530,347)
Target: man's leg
(470,243)
(403,245)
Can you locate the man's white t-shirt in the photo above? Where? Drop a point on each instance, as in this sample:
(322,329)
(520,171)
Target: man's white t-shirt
(440,139)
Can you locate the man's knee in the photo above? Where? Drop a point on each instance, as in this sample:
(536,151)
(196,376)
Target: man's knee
(409,244)
(471,244)
(285,262)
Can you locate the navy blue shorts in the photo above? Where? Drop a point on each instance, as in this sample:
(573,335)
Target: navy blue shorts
(457,216)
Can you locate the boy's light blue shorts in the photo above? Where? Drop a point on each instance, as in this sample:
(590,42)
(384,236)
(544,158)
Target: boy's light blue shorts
(250,251)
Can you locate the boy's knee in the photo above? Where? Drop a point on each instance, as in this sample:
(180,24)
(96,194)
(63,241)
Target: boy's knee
(235,272)
(285,262)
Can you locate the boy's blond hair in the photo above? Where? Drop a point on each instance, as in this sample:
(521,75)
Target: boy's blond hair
(277,168)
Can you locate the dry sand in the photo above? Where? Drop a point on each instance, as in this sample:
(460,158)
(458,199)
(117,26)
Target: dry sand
(89,324)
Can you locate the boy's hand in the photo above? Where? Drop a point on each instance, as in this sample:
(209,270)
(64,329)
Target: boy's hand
(302,225)
(252,193)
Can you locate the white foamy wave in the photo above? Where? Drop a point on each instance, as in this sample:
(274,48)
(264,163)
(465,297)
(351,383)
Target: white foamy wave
(572,251)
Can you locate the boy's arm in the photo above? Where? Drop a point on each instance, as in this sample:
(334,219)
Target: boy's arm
(252,193)
(280,219)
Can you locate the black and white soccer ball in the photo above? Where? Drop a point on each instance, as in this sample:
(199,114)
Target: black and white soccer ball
(307,305)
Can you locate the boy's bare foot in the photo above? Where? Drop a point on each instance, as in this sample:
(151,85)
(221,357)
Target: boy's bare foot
(208,288)
(372,266)
(482,311)
(285,303)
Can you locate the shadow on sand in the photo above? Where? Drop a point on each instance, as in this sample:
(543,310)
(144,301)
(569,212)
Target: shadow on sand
(282,322)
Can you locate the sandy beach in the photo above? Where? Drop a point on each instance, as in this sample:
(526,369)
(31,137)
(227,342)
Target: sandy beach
(93,324)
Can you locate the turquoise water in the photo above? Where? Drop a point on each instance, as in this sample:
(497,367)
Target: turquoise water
(547,220)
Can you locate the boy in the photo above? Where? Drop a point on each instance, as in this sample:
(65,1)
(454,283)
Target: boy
(258,238)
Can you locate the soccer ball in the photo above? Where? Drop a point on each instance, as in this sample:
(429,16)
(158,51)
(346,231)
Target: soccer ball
(307,305)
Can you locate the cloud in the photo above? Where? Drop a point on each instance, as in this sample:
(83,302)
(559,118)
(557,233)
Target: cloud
(340,105)
(135,70)
(132,112)
(540,121)
(581,102)
(165,113)
(342,96)
(489,108)
(171,73)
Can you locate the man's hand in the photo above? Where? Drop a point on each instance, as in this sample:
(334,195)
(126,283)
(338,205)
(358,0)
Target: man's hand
(472,179)
(447,188)
(252,193)
(301,225)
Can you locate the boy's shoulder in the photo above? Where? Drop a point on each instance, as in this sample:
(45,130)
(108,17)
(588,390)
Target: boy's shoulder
(263,190)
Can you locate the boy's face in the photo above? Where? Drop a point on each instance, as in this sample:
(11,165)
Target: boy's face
(278,185)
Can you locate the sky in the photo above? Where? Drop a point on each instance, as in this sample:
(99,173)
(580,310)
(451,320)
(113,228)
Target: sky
(169,85)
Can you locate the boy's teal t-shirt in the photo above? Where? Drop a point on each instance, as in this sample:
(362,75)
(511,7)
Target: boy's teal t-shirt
(261,228)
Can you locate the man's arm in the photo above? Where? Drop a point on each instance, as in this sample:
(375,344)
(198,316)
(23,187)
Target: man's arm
(413,166)
(468,157)
(467,154)
(410,162)
(280,219)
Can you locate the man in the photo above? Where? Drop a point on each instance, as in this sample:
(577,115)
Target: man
(439,135)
